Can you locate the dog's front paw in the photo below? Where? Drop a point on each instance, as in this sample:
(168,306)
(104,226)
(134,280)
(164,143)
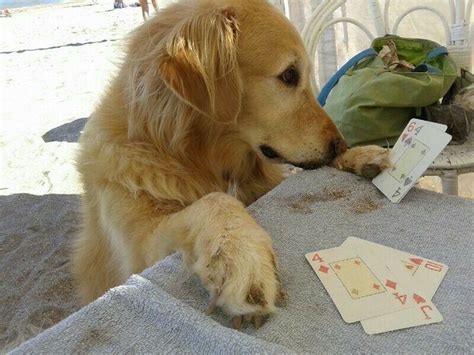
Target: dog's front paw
(366,161)
(239,270)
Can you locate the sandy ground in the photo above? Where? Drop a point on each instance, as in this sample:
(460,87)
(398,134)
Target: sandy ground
(55,62)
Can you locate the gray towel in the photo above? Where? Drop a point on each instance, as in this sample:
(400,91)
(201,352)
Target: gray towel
(162,310)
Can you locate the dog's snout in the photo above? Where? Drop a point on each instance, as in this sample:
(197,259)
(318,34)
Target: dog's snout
(338,146)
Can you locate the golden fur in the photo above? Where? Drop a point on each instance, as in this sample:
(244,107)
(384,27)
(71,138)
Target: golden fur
(175,150)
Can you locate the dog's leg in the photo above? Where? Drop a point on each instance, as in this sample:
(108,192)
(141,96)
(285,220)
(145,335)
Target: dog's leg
(228,250)
(220,241)
(106,251)
(367,161)
(94,265)
(155,5)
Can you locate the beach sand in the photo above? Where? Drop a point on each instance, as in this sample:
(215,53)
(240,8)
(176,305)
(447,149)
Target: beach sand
(59,62)
(55,62)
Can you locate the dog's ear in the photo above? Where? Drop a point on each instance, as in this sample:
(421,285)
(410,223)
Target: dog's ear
(199,63)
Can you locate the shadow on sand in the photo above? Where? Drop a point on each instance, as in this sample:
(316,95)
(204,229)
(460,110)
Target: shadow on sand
(76,44)
(68,132)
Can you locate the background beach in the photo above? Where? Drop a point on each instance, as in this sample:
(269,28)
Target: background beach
(56,61)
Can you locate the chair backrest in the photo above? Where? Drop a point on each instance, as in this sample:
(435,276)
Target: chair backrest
(454,18)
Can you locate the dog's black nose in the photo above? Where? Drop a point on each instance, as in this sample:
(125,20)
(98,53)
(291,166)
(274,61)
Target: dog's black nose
(269,152)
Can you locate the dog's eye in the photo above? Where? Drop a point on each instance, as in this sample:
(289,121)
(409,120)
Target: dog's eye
(290,77)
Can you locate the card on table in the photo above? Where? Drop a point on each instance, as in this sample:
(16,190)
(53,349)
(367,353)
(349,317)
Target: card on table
(425,274)
(416,149)
(425,314)
(360,284)
(422,275)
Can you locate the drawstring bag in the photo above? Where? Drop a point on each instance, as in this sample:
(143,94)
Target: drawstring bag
(371,103)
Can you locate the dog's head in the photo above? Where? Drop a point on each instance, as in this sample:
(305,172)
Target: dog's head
(241,63)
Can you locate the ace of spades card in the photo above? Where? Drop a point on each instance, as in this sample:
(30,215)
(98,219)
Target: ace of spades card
(418,146)
(360,285)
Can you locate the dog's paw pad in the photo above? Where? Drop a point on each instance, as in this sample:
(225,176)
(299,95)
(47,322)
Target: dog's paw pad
(376,166)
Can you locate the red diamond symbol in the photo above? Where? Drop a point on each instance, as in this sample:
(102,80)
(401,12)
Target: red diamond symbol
(357,262)
(417,261)
(338,267)
(324,269)
(376,286)
(409,267)
(391,284)
(355,292)
(418,299)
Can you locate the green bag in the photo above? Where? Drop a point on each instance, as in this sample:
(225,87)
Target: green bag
(371,104)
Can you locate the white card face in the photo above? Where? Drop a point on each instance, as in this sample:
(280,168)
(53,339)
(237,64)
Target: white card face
(422,275)
(425,274)
(426,313)
(359,284)
(416,149)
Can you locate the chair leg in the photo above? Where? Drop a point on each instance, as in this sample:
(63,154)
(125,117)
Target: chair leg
(449,181)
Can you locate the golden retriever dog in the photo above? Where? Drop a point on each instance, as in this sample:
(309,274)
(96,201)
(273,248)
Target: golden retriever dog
(145,9)
(212,96)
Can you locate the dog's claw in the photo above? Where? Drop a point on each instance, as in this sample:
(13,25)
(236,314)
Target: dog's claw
(212,306)
(237,322)
(282,299)
(257,321)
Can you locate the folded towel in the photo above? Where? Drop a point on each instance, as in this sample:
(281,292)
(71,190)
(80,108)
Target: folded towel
(162,310)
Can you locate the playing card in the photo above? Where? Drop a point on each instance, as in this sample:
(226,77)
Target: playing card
(424,273)
(421,275)
(426,313)
(419,144)
(360,284)
(418,122)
